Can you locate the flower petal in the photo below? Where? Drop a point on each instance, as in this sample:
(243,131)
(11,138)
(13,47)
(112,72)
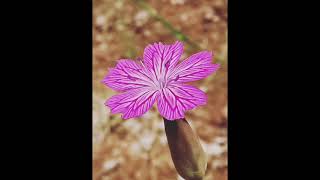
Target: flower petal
(127,75)
(160,58)
(197,66)
(133,103)
(175,99)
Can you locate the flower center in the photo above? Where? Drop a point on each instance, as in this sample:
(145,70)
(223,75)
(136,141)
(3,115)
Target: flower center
(162,83)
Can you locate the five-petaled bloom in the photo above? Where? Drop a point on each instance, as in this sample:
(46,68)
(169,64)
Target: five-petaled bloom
(159,77)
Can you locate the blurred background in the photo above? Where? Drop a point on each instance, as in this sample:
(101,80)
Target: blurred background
(137,148)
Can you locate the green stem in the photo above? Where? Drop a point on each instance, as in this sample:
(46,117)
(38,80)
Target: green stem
(178,34)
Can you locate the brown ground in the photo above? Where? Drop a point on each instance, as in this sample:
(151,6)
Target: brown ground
(137,148)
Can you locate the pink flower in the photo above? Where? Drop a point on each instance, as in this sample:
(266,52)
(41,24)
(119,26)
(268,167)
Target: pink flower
(159,78)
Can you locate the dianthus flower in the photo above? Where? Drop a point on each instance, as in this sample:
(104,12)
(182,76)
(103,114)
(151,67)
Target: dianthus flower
(158,77)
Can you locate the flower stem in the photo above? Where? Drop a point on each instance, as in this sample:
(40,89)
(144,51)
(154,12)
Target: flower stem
(178,34)
(187,154)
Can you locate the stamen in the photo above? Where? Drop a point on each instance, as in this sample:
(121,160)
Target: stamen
(167,64)
(176,79)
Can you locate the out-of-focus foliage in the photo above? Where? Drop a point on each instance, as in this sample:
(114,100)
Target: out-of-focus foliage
(137,148)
